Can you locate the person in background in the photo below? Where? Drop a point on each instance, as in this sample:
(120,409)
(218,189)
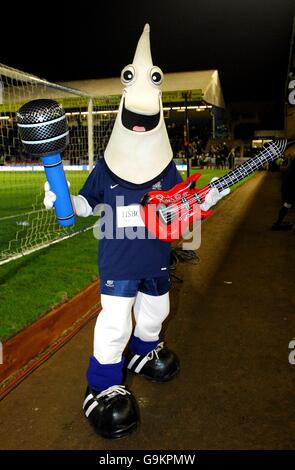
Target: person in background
(288,198)
(223,155)
(231,158)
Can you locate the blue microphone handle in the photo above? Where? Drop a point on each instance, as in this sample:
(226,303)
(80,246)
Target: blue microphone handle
(58,184)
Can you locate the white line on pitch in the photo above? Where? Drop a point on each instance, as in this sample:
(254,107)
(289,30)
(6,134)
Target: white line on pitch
(52,242)
(19,215)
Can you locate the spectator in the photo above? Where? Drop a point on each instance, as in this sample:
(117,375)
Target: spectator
(288,198)
(231,158)
(223,155)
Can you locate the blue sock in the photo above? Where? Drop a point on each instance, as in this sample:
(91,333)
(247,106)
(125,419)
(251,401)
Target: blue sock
(140,347)
(102,376)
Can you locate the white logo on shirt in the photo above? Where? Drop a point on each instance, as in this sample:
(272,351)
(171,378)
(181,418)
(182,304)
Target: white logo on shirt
(157,186)
(109,284)
(114,186)
(129,216)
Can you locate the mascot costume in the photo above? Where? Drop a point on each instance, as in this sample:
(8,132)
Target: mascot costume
(134,273)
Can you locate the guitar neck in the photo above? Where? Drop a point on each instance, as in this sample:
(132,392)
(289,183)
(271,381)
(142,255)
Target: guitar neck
(269,152)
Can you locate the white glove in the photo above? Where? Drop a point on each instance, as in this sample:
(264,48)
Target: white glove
(49,198)
(213,196)
(81,206)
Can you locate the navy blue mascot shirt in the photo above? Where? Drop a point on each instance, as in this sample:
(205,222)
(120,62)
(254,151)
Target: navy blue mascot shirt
(120,257)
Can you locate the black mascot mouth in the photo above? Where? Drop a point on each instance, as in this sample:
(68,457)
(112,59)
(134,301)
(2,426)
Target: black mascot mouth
(139,122)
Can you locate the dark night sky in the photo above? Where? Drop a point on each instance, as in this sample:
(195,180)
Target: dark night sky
(247,41)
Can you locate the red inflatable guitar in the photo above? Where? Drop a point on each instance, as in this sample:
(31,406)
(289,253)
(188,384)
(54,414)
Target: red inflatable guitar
(168,214)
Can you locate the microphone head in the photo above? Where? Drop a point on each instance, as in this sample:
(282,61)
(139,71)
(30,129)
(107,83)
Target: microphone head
(43,127)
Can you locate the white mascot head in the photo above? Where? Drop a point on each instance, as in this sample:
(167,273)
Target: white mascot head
(139,148)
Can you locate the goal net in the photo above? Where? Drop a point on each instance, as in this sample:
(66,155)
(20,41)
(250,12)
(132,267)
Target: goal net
(25,226)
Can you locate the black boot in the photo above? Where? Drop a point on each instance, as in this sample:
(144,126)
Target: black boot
(112,412)
(280,224)
(283,227)
(159,365)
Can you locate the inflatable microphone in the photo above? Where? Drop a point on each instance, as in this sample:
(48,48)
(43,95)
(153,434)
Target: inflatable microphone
(44,133)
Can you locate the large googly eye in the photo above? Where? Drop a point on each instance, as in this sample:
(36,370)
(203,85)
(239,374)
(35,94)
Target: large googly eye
(127,74)
(156,75)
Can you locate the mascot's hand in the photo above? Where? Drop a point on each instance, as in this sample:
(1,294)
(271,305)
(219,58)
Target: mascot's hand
(50,196)
(80,204)
(213,196)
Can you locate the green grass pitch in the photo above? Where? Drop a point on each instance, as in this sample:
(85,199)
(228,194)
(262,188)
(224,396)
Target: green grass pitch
(23,219)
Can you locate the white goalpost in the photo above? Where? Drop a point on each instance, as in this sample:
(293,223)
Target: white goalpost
(25,226)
